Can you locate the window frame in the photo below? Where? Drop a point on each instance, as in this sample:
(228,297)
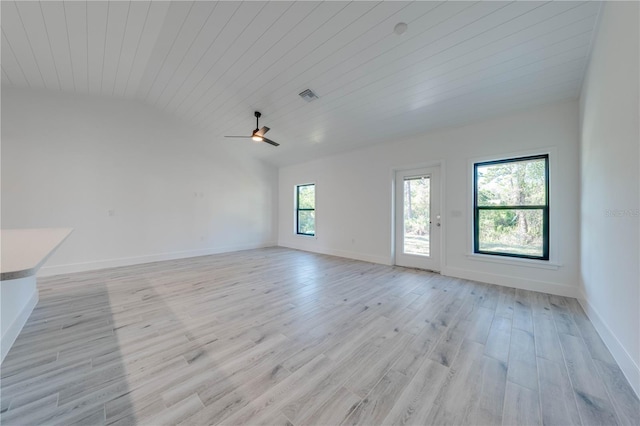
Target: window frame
(545,209)
(298,209)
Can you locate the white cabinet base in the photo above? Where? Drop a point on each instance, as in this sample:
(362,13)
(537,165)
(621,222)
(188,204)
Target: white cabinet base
(17,299)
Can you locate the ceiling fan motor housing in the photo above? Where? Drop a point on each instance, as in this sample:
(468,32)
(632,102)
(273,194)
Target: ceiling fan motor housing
(257,115)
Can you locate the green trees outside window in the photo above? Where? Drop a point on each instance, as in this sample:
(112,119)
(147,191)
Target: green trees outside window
(417,205)
(306,209)
(511,207)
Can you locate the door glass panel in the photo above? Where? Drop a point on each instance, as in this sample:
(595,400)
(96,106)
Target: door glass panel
(417,207)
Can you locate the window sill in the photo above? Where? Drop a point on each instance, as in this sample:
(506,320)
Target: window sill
(530,263)
(306,236)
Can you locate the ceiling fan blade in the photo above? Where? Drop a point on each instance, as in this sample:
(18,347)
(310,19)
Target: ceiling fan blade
(244,137)
(262,131)
(269,141)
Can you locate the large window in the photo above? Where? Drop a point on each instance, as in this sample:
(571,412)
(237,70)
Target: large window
(306,209)
(511,207)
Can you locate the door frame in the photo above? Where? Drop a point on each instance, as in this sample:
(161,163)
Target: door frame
(443,206)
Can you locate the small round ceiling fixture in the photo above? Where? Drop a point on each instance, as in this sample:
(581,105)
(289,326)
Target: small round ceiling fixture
(400,28)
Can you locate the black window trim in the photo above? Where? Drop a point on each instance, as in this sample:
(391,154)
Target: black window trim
(544,208)
(298,210)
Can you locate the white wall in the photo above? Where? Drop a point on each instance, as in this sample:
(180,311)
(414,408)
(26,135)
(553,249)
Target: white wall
(354,195)
(610,178)
(67,160)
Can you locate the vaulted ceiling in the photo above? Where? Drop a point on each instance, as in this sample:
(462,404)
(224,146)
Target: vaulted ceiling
(214,63)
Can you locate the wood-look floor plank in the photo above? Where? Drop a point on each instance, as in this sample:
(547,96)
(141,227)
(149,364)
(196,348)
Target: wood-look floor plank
(279,336)
(416,401)
(333,411)
(563,316)
(546,338)
(271,403)
(522,360)
(499,339)
(178,412)
(420,347)
(461,391)
(506,302)
(624,400)
(31,412)
(449,345)
(556,394)
(595,345)
(366,375)
(541,305)
(480,325)
(488,409)
(522,317)
(521,406)
(223,405)
(210,379)
(375,406)
(592,399)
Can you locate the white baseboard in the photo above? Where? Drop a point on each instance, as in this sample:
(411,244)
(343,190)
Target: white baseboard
(341,253)
(629,368)
(16,326)
(507,281)
(127,261)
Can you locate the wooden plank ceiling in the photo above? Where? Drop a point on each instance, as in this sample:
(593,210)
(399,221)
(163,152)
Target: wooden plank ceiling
(214,63)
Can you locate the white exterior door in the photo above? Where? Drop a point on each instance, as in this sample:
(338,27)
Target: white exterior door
(417,218)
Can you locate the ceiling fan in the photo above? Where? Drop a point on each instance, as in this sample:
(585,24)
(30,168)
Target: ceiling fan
(258,134)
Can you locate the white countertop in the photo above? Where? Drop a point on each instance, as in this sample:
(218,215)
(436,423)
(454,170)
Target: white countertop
(24,251)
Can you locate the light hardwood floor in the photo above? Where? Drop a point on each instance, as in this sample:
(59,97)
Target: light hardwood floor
(277,336)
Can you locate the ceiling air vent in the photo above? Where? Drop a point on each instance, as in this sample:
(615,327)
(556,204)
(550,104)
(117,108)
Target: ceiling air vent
(308,95)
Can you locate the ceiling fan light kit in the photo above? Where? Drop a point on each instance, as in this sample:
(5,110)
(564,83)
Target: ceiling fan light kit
(258,134)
